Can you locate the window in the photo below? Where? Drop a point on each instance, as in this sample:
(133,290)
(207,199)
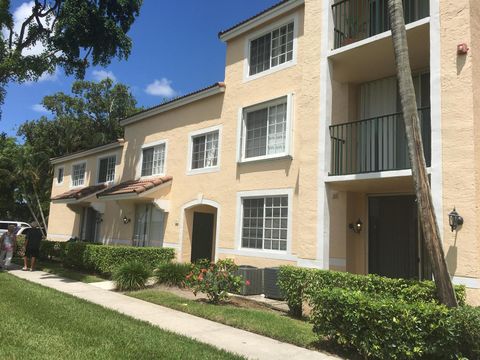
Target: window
(153,160)
(205,150)
(266,130)
(272,49)
(265,222)
(60,175)
(106,169)
(78,174)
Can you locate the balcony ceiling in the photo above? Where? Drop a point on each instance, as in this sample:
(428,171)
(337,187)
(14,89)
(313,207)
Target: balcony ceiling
(370,60)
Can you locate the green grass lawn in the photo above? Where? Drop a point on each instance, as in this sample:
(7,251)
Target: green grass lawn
(58,269)
(264,322)
(41,323)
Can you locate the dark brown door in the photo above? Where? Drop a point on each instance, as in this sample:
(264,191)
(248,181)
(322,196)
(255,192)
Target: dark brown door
(202,236)
(393,249)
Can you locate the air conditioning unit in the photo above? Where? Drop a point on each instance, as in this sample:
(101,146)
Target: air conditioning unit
(270,287)
(255,278)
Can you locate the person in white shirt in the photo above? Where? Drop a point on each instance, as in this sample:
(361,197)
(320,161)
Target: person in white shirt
(8,242)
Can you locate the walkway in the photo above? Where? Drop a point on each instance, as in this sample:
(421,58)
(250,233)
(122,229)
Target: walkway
(241,342)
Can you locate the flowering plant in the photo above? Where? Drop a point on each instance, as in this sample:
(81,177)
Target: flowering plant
(216,280)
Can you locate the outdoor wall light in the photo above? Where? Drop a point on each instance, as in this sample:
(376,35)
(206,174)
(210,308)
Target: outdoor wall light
(126,220)
(454,219)
(357,227)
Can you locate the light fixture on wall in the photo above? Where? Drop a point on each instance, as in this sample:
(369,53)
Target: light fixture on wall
(126,220)
(357,227)
(454,219)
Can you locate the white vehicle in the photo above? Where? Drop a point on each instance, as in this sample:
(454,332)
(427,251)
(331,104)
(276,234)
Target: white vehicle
(18,224)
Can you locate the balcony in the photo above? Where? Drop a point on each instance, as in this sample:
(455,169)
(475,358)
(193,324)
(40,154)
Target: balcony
(375,144)
(355,20)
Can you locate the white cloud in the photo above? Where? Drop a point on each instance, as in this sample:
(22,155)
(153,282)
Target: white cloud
(39,108)
(161,87)
(99,75)
(46,77)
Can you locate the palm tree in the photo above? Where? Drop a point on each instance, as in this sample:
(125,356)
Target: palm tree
(430,229)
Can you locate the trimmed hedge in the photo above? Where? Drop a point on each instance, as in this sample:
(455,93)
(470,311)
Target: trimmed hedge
(102,258)
(387,328)
(301,284)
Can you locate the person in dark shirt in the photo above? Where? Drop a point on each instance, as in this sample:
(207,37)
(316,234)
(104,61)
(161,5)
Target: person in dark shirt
(32,246)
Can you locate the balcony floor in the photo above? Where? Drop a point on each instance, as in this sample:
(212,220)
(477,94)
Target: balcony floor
(373,58)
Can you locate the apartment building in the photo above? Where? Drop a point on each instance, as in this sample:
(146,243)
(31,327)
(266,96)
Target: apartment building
(299,155)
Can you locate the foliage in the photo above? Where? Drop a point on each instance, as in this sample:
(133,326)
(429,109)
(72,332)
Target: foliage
(172,274)
(71,34)
(41,323)
(216,280)
(131,275)
(20,243)
(383,327)
(301,284)
(102,258)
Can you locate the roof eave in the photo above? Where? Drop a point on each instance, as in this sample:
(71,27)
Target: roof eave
(80,154)
(219,88)
(260,19)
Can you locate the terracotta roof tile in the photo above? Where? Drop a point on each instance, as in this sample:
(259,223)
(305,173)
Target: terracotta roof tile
(135,186)
(77,194)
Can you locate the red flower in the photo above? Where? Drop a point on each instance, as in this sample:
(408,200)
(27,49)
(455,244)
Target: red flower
(247,282)
(189,276)
(200,277)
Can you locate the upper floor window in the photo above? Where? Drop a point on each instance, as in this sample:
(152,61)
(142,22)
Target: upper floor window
(204,150)
(106,169)
(271,49)
(266,130)
(78,174)
(60,175)
(153,160)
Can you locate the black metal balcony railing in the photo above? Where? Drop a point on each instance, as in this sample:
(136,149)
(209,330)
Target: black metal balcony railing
(376,144)
(356,20)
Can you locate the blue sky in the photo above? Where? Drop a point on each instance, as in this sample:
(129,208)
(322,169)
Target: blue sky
(175,50)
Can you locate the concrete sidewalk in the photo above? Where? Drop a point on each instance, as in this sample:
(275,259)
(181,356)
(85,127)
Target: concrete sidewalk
(241,342)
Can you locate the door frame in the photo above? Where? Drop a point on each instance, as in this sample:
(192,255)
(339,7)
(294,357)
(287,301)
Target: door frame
(189,205)
(367,230)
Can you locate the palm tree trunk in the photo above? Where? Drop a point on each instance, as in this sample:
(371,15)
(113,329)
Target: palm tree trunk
(40,208)
(431,232)
(27,201)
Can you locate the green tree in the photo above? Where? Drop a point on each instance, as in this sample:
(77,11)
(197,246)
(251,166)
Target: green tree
(71,34)
(86,118)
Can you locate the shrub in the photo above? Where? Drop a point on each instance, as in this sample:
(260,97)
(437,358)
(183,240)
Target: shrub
(172,274)
(131,275)
(466,320)
(50,250)
(20,244)
(300,284)
(73,254)
(386,328)
(215,280)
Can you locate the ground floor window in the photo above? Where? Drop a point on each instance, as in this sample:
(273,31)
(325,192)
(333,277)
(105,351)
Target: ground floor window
(265,222)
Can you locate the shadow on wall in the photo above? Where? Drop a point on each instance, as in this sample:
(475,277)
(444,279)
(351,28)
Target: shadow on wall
(452,256)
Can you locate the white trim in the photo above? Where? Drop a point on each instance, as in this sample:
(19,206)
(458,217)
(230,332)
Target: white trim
(118,197)
(242,128)
(371,39)
(162,204)
(371,176)
(264,254)
(469,282)
(174,104)
(283,254)
(246,62)
(105,156)
(84,174)
(149,145)
(323,146)
(199,201)
(81,154)
(436,178)
(200,132)
(59,236)
(260,19)
(56,175)
(171,245)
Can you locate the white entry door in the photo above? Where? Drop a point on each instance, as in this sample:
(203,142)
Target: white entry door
(149,225)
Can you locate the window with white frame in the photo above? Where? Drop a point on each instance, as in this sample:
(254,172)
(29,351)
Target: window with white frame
(60,172)
(78,174)
(265,222)
(271,49)
(265,130)
(205,150)
(106,169)
(153,160)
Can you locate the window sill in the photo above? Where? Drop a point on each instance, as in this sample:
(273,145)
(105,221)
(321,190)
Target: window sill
(264,158)
(273,70)
(260,253)
(204,170)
